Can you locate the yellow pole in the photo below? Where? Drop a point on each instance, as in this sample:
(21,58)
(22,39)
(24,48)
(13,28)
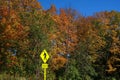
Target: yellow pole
(44,73)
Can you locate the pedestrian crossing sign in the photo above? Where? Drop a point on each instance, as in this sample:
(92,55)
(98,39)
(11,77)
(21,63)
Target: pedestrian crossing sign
(44,56)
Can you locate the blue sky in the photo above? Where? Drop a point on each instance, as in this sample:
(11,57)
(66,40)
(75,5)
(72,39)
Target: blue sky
(85,7)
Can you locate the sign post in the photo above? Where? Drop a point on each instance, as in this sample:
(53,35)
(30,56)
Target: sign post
(44,56)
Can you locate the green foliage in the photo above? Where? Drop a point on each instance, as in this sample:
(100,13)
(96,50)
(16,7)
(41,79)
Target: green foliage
(93,43)
(84,64)
(71,72)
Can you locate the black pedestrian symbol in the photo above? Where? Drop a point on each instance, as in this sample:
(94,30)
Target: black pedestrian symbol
(44,55)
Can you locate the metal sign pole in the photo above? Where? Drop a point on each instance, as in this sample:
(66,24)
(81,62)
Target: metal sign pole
(44,73)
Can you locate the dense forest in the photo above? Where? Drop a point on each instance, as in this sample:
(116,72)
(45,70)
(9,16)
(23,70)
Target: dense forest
(80,47)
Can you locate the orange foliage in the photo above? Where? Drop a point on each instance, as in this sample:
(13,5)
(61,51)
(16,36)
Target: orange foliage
(65,38)
(58,62)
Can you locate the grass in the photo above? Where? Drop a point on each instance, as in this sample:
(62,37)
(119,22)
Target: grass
(5,76)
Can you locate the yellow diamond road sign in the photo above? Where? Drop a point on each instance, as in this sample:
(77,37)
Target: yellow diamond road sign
(44,56)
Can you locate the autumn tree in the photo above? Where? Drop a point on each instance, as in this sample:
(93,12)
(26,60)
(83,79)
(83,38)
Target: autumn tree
(64,39)
(107,25)
(12,35)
